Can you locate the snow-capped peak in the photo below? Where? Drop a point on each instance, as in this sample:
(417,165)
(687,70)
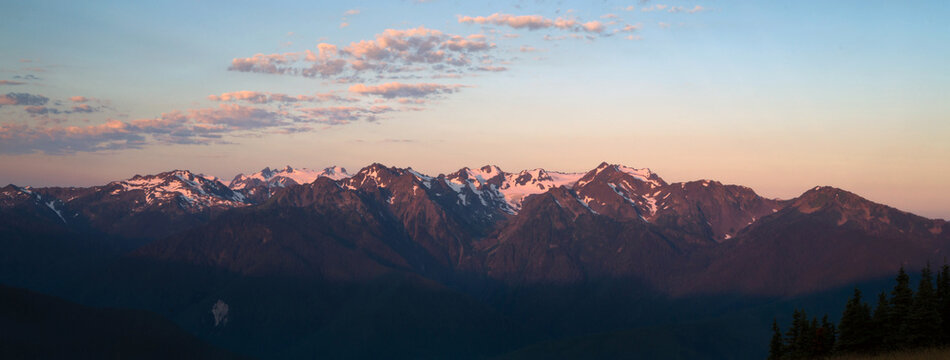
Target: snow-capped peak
(529,182)
(189,190)
(643,174)
(287,176)
(335,173)
(491,170)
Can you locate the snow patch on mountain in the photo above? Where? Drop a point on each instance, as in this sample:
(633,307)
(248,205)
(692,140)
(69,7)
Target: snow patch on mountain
(273,178)
(52,206)
(644,174)
(189,190)
(518,186)
(334,173)
(425,179)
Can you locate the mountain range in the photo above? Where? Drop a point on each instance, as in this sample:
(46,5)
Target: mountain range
(472,264)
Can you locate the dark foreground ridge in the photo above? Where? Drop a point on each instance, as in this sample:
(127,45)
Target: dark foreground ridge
(36,326)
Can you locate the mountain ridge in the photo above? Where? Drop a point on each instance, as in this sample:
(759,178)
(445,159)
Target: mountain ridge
(547,253)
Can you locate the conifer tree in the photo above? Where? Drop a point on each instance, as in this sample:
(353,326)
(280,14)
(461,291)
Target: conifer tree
(880,323)
(923,324)
(776,346)
(829,335)
(943,302)
(900,304)
(855,325)
(793,338)
(816,338)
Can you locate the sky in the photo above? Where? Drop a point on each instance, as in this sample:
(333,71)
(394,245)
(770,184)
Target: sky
(780,96)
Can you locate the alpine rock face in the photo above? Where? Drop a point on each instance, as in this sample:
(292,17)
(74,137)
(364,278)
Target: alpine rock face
(141,207)
(261,185)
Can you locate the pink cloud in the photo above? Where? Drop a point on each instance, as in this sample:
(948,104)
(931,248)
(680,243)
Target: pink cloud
(234,116)
(250,96)
(263,63)
(492,68)
(111,135)
(326,62)
(257,97)
(401,90)
(630,28)
(527,49)
(593,26)
(392,51)
(474,42)
(202,125)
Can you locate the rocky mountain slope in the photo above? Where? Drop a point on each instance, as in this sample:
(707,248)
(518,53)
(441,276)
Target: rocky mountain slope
(538,253)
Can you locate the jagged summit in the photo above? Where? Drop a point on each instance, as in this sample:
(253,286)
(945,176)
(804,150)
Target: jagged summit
(707,209)
(181,186)
(261,185)
(605,170)
(335,173)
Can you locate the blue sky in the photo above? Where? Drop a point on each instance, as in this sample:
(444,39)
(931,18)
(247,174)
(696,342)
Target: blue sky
(779,96)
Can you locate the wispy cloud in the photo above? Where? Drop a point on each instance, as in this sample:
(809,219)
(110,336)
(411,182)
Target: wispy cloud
(111,135)
(681,9)
(346,14)
(656,7)
(11,82)
(259,97)
(528,49)
(416,50)
(339,115)
(401,90)
(264,63)
(23,99)
(533,22)
(26,77)
(83,108)
(201,126)
(630,28)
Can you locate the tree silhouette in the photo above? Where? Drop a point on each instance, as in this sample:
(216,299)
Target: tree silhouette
(943,302)
(922,326)
(900,304)
(880,323)
(776,346)
(904,320)
(855,328)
